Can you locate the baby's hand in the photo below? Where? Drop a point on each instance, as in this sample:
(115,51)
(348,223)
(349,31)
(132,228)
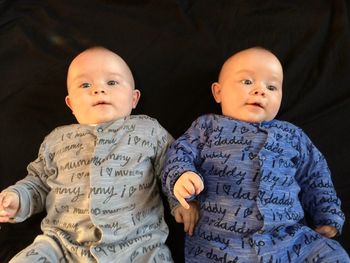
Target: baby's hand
(187,185)
(189,217)
(327,231)
(9,205)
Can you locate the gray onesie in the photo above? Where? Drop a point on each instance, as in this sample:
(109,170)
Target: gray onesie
(99,185)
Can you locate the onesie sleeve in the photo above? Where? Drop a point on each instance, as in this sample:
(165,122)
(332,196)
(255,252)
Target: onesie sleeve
(32,190)
(182,156)
(164,140)
(318,195)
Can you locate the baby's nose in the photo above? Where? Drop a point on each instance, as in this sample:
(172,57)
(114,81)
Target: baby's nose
(258,91)
(99,89)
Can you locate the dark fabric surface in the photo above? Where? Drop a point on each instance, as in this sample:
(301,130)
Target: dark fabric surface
(175,49)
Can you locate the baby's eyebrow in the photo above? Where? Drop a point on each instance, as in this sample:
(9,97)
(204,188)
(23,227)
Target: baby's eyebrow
(112,74)
(79,77)
(276,79)
(244,71)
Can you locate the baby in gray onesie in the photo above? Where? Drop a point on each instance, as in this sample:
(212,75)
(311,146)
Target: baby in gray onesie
(97,180)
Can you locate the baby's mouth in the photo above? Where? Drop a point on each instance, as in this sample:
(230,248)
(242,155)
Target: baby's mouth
(256,104)
(101,103)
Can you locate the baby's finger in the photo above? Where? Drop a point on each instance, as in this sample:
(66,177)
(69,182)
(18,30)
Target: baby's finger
(189,223)
(183,202)
(190,228)
(181,199)
(180,190)
(181,193)
(186,226)
(186,222)
(4,213)
(198,184)
(6,201)
(190,189)
(178,217)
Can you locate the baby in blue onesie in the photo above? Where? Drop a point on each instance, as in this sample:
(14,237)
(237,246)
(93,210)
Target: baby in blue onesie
(255,178)
(97,180)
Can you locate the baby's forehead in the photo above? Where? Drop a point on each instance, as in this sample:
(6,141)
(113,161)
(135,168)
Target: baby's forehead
(253,54)
(252,61)
(94,61)
(99,54)
(97,59)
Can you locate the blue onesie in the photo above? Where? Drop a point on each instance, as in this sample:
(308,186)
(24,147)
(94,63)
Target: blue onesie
(260,179)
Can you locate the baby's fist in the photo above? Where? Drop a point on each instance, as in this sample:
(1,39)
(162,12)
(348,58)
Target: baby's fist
(186,186)
(327,231)
(9,205)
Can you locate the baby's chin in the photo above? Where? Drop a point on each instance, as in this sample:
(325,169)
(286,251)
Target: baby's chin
(105,117)
(250,119)
(100,121)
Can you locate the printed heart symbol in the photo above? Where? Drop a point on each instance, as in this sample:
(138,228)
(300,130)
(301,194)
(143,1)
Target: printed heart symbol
(198,251)
(296,249)
(244,130)
(227,188)
(278,136)
(109,171)
(111,248)
(247,212)
(132,190)
(136,140)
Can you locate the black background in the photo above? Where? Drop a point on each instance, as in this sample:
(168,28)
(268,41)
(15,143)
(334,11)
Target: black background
(175,50)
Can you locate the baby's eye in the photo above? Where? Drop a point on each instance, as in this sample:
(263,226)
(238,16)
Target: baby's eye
(247,82)
(112,83)
(271,87)
(85,85)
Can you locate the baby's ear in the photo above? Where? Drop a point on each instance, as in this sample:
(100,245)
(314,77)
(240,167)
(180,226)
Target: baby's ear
(216,90)
(67,99)
(135,97)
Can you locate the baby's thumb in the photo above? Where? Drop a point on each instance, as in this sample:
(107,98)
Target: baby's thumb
(7,202)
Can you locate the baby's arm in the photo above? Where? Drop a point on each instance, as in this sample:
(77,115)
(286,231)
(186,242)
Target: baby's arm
(188,184)
(327,231)
(314,179)
(188,217)
(9,205)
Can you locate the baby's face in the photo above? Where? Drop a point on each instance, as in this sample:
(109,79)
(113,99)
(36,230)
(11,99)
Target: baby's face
(250,86)
(100,87)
